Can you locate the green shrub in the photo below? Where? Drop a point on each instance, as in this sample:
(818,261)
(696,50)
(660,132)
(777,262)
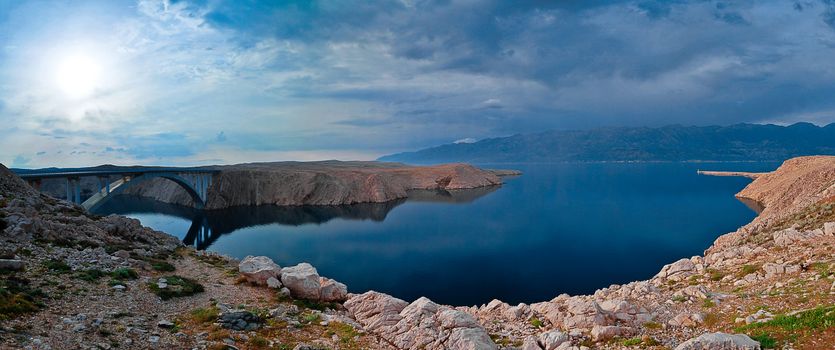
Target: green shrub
(765,340)
(258,342)
(632,342)
(749,269)
(91,275)
(56,265)
(536,322)
(822,317)
(162,265)
(205,314)
(652,325)
(311,317)
(124,273)
(17,298)
(177,287)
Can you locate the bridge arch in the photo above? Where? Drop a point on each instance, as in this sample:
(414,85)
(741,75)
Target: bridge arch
(196,186)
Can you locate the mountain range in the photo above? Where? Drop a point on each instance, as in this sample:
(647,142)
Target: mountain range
(738,142)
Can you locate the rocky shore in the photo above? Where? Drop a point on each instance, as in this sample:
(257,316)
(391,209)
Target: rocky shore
(72,280)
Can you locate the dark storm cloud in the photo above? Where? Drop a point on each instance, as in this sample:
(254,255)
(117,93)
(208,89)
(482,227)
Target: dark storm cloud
(385,75)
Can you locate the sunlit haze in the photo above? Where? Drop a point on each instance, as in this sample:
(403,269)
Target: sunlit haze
(214,82)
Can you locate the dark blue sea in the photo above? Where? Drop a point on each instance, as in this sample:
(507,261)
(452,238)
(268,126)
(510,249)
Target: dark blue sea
(559,228)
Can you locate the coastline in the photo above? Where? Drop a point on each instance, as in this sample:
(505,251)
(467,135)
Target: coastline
(699,298)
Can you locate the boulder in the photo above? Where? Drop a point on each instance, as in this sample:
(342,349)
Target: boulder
(697,292)
(11,264)
(422,324)
(678,270)
(259,269)
(552,339)
(274,283)
(375,310)
(585,314)
(603,333)
(302,280)
(790,236)
(239,320)
(331,290)
(530,343)
(687,319)
(829,228)
(720,341)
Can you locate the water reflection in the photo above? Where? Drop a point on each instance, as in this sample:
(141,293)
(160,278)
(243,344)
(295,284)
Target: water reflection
(207,226)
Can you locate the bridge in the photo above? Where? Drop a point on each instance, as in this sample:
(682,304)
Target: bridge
(195,181)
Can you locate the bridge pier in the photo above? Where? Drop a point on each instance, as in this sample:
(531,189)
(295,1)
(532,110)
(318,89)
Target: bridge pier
(74,190)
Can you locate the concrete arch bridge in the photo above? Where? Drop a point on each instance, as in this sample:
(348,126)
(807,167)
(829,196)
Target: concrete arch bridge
(195,181)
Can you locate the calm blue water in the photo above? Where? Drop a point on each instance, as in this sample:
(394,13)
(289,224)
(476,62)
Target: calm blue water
(559,228)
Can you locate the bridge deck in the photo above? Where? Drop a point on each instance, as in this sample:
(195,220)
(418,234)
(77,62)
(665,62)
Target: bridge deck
(128,171)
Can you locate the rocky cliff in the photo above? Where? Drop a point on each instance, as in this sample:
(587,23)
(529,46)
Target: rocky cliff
(72,280)
(322,183)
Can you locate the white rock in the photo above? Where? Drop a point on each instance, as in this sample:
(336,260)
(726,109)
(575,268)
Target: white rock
(259,269)
(331,290)
(552,339)
(274,283)
(601,333)
(678,270)
(530,344)
(720,341)
(302,280)
(829,228)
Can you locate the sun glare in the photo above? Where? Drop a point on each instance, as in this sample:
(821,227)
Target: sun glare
(77,76)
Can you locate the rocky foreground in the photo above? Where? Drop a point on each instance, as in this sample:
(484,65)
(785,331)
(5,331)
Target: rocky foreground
(72,280)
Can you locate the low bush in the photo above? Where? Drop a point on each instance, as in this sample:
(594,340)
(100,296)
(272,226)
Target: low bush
(176,287)
(124,273)
(91,275)
(205,314)
(56,265)
(162,266)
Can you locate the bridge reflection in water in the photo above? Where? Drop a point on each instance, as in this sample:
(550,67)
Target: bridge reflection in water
(209,225)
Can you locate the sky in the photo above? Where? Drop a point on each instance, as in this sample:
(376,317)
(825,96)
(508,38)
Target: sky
(164,82)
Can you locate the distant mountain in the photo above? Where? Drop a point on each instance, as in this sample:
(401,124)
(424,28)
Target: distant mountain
(739,142)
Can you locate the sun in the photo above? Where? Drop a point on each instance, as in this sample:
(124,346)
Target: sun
(78,75)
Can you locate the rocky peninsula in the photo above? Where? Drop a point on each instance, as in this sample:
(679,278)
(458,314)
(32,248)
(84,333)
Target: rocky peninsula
(74,280)
(310,183)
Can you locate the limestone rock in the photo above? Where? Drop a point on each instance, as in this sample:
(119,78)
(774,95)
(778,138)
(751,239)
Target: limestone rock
(422,324)
(603,333)
(678,270)
(829,228)
(258,269)
(274,283)
(585,314)
(552,339)
(530,343)
(319,183)
(11,264)
(720,341)
(375,310)
(686,319)
(790,236)
(302,280)
(697,292)
(331,290)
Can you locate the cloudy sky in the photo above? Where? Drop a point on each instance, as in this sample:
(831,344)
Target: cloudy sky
(214,81)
